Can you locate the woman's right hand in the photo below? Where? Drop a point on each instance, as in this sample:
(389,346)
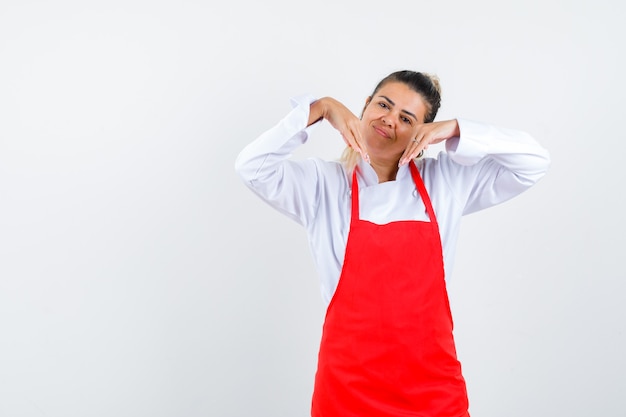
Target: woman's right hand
(342,119)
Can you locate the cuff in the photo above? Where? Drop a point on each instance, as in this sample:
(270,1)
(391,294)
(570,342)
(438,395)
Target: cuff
(472,145)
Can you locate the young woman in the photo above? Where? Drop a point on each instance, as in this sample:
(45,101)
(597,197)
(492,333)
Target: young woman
(382,226)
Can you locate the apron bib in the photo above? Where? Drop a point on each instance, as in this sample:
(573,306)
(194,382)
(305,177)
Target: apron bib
(387,348)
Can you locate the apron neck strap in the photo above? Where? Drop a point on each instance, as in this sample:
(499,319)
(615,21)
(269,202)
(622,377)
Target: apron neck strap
(417,179)
(355,196)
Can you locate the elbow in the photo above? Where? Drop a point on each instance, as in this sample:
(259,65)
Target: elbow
(533,174)
(254,171)
(239,165)
(244,169)
(535,167)
(543,164)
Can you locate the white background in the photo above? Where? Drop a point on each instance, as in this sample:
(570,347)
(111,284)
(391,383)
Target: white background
(139,277)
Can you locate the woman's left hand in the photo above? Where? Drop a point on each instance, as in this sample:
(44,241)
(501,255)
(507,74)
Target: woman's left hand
(427,134)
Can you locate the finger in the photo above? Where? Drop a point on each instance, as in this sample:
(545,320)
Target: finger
(345,139)
(414,149)
(353,138)
(409,152)
(350,140)
(361,144)
(423,140)
(421,146)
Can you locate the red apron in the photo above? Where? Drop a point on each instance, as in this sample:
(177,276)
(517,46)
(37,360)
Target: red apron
(387,348)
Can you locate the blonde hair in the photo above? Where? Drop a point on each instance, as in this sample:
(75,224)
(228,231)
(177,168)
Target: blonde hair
(425,84)
(349,159)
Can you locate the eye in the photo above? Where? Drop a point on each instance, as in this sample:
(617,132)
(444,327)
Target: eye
(383,104)
(406,120)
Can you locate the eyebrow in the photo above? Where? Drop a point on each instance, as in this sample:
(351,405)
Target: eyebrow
(404,111)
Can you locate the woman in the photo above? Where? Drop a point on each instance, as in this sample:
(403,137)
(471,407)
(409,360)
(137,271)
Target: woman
(382,226)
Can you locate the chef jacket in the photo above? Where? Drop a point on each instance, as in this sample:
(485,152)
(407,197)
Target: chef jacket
(485,166)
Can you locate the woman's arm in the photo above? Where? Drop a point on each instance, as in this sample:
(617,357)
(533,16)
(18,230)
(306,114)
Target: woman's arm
(342,119)
(489,165)
(265,168)
(294,187)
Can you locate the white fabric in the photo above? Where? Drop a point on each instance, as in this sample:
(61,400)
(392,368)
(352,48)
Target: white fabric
(485,166)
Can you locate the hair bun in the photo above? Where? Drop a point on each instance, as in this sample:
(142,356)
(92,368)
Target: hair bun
(435,80)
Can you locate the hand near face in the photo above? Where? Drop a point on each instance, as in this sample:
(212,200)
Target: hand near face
(342,119)
(427,134)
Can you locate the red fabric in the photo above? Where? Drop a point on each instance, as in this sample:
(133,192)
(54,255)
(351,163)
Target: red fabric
(387,348)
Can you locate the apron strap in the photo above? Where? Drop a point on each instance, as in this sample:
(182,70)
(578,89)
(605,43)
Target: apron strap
(421,188)
(355,197)
(424,195)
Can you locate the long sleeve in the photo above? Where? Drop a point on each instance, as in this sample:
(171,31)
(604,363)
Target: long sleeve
(485,166)
(493,164)
(264,166)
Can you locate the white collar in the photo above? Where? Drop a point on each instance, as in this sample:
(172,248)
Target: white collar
(368,177)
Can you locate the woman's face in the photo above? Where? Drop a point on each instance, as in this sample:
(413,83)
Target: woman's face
(390,120)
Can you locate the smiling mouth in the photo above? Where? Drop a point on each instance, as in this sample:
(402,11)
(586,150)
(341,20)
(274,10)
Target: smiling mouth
(382,132)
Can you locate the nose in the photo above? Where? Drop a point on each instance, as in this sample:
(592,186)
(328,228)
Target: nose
(387,120)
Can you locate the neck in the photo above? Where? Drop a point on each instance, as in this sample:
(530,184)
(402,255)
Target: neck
(386,171)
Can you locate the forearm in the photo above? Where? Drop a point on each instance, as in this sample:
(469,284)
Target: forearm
(266,152)
(515,150)
(493,164)
(265,168)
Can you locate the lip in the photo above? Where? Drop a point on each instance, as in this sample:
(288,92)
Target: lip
(382,132)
